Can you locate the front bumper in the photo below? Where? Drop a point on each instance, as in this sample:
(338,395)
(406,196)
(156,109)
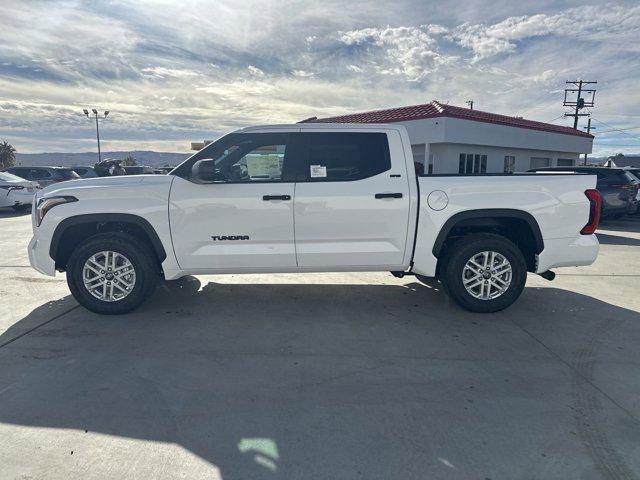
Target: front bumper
(39,257)
(568,252)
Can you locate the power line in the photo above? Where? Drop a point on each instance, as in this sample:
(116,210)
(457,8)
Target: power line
(617,129)
(558,117)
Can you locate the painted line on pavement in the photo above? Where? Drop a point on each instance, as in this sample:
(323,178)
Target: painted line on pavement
(38,326)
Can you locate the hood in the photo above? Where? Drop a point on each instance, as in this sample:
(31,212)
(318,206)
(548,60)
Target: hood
(123,181)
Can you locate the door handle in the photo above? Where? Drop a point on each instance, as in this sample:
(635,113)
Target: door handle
(388,195)
(266,198)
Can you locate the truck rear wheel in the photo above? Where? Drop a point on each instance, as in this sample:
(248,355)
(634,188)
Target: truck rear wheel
(484,272)
(112,273)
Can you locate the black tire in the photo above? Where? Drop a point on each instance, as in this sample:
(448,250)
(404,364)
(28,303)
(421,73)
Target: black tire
(21,208)
(142,258)
(462,250)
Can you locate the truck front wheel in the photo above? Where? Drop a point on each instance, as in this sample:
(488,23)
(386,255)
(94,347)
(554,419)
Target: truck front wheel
(112,273)
(484,272)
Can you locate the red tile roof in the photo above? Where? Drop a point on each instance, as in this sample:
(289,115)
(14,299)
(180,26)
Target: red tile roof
(436,109)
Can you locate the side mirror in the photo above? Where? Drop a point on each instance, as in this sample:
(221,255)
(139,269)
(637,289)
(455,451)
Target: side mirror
(204,171)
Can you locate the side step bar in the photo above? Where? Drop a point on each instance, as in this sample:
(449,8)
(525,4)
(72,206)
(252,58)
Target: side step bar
(401,274)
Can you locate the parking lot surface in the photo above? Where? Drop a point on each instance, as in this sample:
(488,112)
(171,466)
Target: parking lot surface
(323,376)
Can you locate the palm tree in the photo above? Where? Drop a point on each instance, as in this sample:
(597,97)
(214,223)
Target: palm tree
(7,155)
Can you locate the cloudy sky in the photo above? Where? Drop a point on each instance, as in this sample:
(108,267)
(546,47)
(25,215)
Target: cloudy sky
(172,72)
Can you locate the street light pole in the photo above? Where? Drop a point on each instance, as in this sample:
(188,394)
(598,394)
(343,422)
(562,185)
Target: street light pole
(98,136)
(95,112)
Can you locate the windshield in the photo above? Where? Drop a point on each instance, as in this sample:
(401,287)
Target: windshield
(9,177)
(68,174)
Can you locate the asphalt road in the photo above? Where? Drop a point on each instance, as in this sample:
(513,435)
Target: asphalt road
(323,376)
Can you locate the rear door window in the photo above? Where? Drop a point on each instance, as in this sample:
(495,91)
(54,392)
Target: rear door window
(343,156)
(39,174)
(67,174)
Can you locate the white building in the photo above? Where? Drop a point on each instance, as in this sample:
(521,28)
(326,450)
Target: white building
(449,139)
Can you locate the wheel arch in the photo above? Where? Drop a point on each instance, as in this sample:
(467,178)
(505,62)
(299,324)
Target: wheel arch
(72,230)
(516,225)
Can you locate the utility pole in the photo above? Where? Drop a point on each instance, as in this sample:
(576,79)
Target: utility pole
(95,112)
(584,98)
(588,129)
(470,103)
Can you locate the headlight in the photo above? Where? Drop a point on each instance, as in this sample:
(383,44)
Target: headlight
(46,204)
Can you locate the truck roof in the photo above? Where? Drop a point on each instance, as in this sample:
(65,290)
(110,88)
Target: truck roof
(323,126)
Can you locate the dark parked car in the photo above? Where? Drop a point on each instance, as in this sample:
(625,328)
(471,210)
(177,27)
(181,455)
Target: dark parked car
(636,173)
(618,188)
(44,175)
(85,172)
(139,170)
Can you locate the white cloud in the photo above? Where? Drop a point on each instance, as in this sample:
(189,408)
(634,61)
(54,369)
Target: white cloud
(255,71)
(409,51)
(588,22)
(162,72)
(302,73)
(171,74)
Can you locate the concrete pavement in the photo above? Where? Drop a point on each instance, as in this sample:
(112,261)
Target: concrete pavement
(341,376)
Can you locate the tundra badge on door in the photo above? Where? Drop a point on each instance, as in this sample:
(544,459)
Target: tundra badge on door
(229,237)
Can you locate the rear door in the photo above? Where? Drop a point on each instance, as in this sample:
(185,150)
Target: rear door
(352,200)
(242,221)
(613,188)
(42,176)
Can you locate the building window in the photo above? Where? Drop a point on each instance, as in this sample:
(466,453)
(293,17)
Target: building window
(472,163)
(566,162)
(418,153)
(509,163)
(540,162)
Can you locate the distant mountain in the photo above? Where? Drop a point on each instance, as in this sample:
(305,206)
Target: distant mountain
(143,157)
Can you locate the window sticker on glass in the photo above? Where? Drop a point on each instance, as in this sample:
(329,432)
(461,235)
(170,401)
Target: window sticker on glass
(264,166)
(318,171)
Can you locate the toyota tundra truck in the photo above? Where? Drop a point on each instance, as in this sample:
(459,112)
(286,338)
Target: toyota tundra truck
(312,198)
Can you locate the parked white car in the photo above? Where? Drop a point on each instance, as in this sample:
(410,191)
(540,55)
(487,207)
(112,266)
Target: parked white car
(16,192)
(313,198)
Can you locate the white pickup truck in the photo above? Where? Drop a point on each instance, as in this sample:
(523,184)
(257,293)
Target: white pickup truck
(312,198)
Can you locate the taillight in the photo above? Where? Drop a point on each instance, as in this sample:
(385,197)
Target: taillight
(595,202)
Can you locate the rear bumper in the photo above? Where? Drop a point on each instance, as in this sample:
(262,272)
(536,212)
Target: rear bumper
(21,198)
(568,252)
(39,257)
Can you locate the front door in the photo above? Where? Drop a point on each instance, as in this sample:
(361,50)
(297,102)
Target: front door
(352,201)
(243,219)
